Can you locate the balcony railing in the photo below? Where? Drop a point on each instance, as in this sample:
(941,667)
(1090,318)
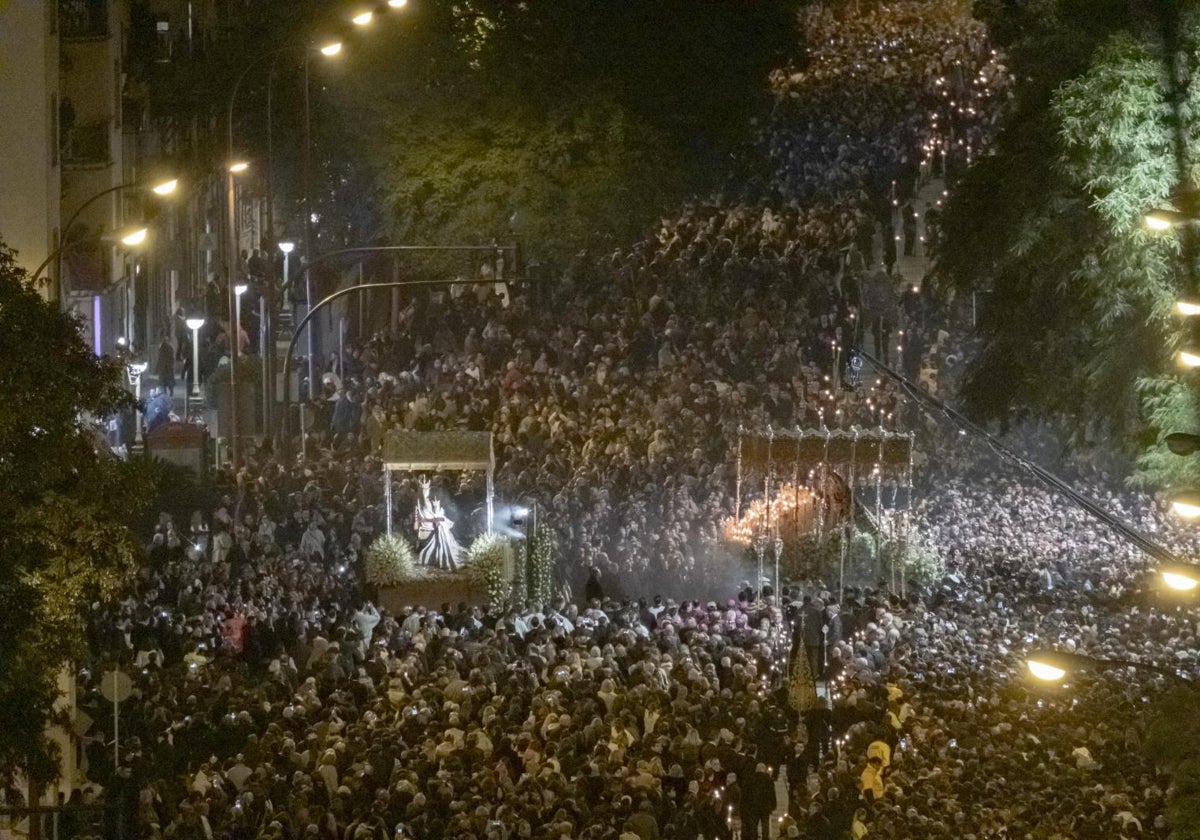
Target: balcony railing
(86,145)
(83,19)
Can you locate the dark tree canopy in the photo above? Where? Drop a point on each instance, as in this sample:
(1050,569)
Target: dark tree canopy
(65,505)
(1076,321)
(569,124)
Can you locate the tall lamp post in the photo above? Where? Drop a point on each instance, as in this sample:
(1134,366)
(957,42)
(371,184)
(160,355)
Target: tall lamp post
(233,168)
(329,49)
(194,324)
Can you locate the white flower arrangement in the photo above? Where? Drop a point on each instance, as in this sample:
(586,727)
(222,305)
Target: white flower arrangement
(389,561)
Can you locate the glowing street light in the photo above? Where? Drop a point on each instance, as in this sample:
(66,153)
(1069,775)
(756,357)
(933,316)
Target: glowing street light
(1186,503)
(238,166)
(134,237)
(397,4)
(331,49)
(1189,357)
(1187,307)
(1162,220)
(165,187)
(1044,670)
(1179,580)
(363,18)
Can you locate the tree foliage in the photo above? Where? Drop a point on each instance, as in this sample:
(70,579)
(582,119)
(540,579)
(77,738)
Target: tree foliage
(1076,323)
(567,124)
(65,507)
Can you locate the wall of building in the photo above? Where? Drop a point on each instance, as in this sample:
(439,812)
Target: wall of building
(29,164)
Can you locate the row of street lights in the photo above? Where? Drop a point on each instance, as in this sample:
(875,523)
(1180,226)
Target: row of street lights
(1055,666)
(362,17)
(134,237)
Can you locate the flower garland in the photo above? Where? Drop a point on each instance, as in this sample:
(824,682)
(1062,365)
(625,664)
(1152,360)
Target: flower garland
(488,564)
(540,573)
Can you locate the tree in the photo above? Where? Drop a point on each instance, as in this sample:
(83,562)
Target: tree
(1076,324)
(64,507)
(568,124)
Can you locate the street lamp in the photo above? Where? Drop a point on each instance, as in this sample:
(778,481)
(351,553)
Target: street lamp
(234,167)
(135,371)
(134,237)
(1186,307)
(328,49)
(363,18)
(1189,356)
(1186,504)
(160,188)
(1161,219)
(1053,666)
(1182,577)
(194,324)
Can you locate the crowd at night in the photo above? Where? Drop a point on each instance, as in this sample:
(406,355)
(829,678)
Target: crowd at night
(275,697)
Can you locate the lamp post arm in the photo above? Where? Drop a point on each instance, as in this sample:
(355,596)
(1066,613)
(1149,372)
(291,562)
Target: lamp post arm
(375,249)
(287,358)
(241,78)
(1109,664)
(63,240)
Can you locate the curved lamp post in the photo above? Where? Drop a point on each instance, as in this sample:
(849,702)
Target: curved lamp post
(161,188)
(1054,666)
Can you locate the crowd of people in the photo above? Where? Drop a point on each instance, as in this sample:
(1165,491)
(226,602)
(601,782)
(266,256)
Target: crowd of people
(274,698)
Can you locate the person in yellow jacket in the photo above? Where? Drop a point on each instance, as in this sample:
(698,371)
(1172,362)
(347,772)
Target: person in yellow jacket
(871,781)
(858,826)
(880,750)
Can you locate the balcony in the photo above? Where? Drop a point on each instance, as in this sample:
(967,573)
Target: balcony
(83,20)
(86,145)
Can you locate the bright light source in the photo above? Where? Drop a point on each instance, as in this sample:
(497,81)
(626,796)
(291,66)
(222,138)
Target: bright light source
(1189,357)
(331,49)
(1045,671)
(287,247)
(1160,220)
(1187,307)
(238,166)
(1179,582)
(397,4)
(136,237)
(363,18)
(240,289)
(195,324)
(1186,504)
(166,187)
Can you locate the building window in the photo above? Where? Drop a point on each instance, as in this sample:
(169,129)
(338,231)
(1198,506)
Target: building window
(83,18)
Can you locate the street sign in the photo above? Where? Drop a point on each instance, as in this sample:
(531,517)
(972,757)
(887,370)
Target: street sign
(116,686)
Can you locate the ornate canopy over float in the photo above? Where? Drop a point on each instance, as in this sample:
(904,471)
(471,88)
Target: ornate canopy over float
(431,452)
(812,480)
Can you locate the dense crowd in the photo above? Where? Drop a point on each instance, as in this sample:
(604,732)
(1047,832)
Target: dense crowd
(275,699)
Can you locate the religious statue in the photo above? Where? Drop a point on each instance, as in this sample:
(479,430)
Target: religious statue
(436,545)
